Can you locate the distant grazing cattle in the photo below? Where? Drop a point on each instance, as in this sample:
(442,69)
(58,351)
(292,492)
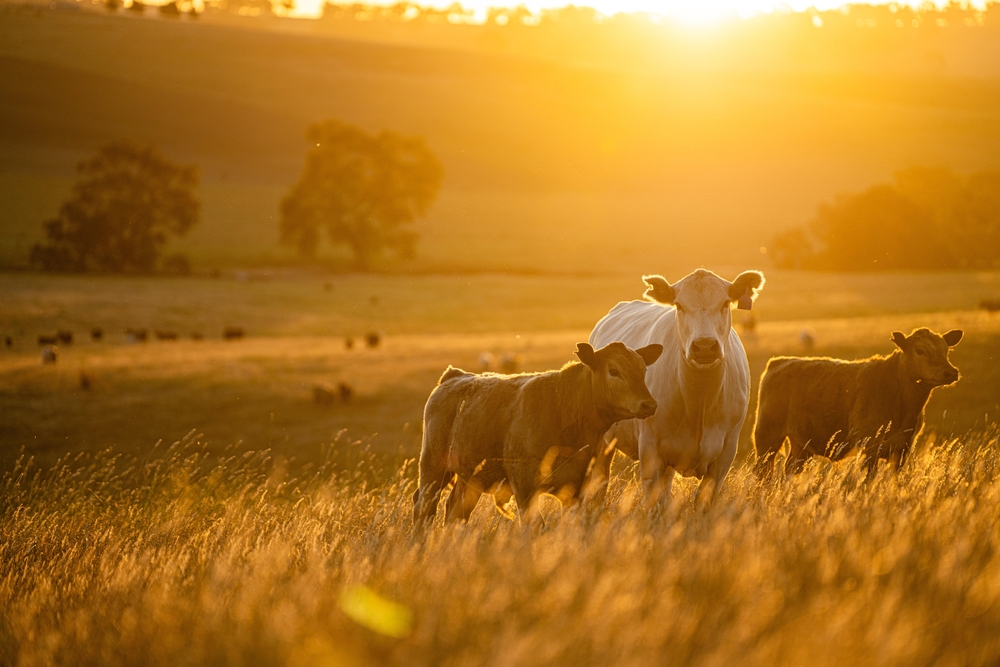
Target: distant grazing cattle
(372,339)
(47,340)
(510,362)
(86,380)
(136,335)
(349,342)
(990,305)
(232,333)
(326,394)
(50,354)
(166,335)
(96,334)
(65,336)
(8,341)
(197,335)
(702,383)
(807,337)
(829,407)
(486,361)
(346,392)
(540,432)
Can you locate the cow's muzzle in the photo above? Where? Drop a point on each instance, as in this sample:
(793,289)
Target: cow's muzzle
(645,409)
(950,376)
(705,353)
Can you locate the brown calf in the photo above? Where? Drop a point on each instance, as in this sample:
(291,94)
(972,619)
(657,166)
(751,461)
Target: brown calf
(539,432)
(829,407)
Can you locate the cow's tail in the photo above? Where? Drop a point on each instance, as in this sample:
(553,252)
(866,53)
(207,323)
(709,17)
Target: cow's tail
(451,373)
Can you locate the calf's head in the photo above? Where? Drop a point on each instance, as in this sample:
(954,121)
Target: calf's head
(704,303)
(925,356)
(619,377)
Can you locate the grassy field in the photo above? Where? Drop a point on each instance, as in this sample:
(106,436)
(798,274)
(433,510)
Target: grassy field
(259,390)
(275,531)
(204,559)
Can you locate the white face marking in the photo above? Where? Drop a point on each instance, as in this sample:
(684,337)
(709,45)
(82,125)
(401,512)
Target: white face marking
(704,318)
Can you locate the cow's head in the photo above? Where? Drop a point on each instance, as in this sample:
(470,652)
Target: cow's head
(925,356)
(619,377)
(703,301)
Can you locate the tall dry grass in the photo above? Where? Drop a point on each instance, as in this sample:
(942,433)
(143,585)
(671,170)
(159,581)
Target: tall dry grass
(195,558)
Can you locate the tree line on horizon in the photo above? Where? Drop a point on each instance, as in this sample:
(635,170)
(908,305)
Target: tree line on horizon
(852,15)
(925,219)
(356,189)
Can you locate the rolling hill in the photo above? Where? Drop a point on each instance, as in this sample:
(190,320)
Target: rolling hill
(666,155)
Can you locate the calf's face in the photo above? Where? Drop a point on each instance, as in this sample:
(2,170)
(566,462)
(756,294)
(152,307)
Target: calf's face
(704,303)
(619,377)
(925,356)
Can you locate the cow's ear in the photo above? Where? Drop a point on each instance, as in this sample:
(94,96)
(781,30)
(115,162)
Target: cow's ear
(650,353)
(748,282)
(658,289)
(586,354)
(953,337)
(899,339)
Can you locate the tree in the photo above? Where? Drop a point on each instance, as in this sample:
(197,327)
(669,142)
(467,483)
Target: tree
(878,229)
(360,189)
(127,202)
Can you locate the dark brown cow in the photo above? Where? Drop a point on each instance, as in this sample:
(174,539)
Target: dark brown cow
(539,432)
(829,407)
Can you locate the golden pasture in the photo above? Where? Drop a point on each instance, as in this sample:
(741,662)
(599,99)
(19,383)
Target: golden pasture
(278,532)
(259,390)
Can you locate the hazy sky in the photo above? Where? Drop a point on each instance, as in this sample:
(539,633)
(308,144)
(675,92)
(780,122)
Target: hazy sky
(692,11)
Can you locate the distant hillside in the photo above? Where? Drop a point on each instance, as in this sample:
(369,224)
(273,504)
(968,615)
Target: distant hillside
(696,157)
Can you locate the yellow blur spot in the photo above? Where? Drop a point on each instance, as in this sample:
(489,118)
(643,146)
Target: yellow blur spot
(369,609)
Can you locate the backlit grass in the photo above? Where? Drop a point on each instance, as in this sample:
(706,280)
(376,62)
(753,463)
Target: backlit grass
(197,559)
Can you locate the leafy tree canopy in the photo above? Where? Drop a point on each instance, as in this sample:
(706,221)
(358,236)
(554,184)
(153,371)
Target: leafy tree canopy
(360,189)
(127,202)
(926,219)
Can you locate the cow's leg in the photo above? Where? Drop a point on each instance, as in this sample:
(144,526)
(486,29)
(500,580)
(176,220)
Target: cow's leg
(502,493)
(524,482)
(595,486)
(797,455)
(768,438)
(656,477)
(463,500)
(718,469)
(426,497)
(433,474)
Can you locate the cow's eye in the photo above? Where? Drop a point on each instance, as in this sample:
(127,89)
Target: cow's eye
(919,352)
(613,373)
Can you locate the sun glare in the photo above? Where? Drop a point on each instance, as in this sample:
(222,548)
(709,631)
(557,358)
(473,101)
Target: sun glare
(687,12)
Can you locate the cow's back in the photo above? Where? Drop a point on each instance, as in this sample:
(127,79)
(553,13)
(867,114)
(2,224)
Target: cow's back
(637,324)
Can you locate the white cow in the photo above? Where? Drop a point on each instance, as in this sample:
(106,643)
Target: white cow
(701,382)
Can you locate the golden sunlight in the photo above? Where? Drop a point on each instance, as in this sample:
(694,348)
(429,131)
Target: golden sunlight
(687,12)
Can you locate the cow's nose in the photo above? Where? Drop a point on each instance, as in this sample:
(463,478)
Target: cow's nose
(647,408)
(703,348)
(952,375)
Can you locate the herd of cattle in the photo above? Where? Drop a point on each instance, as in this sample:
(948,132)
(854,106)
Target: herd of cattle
(666,381)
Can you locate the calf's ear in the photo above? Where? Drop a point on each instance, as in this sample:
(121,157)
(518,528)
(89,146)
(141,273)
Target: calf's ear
(586,354)
(748,282)
(658,289)
(899,339)
(953,337)
(650,353)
